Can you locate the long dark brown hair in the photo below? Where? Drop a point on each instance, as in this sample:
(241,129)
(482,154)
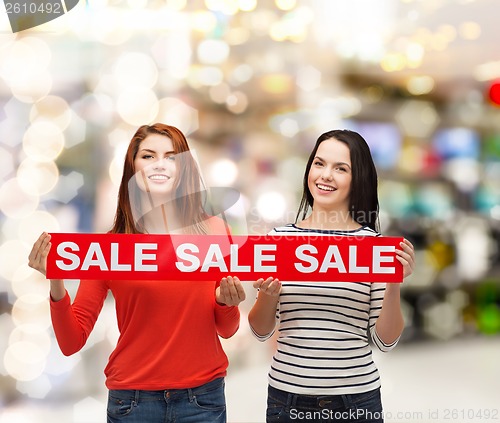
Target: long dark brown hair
(363,198)
(188,198)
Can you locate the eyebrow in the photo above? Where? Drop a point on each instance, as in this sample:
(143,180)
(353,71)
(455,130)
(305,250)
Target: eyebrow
(338,163)
(147,150)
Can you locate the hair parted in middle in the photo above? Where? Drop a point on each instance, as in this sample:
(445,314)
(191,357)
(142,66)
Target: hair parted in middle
(363,197)
(188,198)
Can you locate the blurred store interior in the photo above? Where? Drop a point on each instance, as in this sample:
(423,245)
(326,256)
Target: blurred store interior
(253,83)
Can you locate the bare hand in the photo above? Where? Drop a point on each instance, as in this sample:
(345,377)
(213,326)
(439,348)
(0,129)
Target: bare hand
(37,258)
(230,292)
(406,257)
(270,286)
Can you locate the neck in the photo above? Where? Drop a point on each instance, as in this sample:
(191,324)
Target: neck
(330,220)
(160,218)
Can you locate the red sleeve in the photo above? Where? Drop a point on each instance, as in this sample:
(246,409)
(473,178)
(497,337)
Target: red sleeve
(73,322)
(227,320)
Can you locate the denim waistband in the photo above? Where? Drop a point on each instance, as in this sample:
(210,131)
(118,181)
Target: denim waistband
(315,401)
(138,394)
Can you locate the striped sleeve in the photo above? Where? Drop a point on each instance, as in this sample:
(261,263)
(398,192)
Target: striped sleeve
(265,337)
(262,338)
(376,298)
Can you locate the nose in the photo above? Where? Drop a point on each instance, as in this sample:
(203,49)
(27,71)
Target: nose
(159,164)
(327,174)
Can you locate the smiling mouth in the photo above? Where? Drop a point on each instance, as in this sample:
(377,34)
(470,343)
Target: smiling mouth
(325,187)
(158,177)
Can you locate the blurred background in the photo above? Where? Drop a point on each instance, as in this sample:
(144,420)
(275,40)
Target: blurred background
(253,83)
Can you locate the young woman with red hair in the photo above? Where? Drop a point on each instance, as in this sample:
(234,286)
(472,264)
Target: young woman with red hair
(168,364)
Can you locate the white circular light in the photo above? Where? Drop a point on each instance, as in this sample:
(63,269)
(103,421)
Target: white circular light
(32,309)
(14,201)
(271,205)
(54,109)
(13,254)
(43,141)
(137,106)
(223,172)
(213,52)
(33,225)
(135,69)
(24,360)
(37,178)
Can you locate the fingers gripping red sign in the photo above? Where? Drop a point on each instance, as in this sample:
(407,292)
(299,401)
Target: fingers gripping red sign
(211,257)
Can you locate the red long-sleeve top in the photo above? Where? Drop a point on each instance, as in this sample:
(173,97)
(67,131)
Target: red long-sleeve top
(169,331)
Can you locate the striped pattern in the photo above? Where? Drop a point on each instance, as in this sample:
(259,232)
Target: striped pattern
(323,346)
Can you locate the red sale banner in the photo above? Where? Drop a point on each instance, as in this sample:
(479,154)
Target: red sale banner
(211,257)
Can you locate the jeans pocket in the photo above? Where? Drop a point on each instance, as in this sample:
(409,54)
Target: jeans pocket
(371,401)
(369,407)
(274,413)
(275,410)
(119,406)
(213,400)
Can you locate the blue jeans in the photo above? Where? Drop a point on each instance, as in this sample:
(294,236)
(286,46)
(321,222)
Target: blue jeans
(284,407)
(206,403)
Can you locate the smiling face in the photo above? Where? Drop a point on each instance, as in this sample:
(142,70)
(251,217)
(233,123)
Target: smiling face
(155,166)
(330,176)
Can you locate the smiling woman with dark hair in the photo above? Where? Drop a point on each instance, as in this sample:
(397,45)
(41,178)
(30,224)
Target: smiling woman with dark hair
(323,368)
(363,199)
(168,364)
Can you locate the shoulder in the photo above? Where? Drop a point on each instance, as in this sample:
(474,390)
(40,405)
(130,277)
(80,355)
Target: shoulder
(217,226)
(290,227)
(367,231)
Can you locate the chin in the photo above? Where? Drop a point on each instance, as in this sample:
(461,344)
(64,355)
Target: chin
(162,193)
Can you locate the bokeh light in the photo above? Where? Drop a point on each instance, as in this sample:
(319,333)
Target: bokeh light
(6,163)
(37,388)
(223,173)
(228,7)
(241,73)
(43,141)
(24,360)
(135,70)
(237,102)
(178,114)
(52,109)
(271,205)
(286,4)
(13,254)
(219,93)
(137,105)
(33,225)
(212,52)
(417,118)
(32,309)
(34,334)
(14,201)
(470,30)
(37,178)
(494,92)
(176,4)
(419,85)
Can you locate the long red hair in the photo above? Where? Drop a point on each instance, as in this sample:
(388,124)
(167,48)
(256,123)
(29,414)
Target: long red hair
(188,198)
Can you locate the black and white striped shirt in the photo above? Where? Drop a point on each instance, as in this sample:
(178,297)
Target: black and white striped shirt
(323,346)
